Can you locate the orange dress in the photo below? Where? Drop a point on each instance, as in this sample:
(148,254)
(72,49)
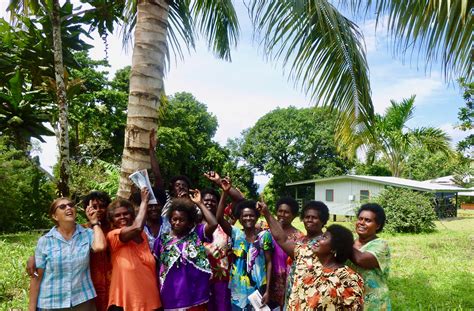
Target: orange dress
(134,285)
(101,270)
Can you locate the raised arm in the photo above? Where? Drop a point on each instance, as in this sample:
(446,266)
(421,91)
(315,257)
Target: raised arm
(99,242)
(211,222)
(365,260)
(234,194)
(133,231)
(155,166)
(276,230)
(225,225)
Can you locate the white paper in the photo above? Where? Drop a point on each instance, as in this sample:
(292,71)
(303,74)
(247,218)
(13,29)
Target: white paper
(140,179)
(256,301)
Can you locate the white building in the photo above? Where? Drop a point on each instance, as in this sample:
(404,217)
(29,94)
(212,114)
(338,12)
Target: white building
(344,194)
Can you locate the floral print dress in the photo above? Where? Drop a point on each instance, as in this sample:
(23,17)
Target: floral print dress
(281,265)
(184,269)
(317,288)
(248,270)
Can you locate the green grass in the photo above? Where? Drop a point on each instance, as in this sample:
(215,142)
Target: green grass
(429,271)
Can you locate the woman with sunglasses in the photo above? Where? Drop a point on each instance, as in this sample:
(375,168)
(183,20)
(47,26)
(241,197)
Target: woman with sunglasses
(62,259)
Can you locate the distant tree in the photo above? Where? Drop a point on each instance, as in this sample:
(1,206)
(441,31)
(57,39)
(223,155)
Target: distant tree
(466,115)
(97,112)
(421,164)
(293,144)
(186,147)
(390,140)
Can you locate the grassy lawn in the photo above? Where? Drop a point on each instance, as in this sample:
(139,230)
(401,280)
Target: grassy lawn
(429,271)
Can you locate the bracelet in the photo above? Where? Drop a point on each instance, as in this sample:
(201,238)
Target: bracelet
(95,224)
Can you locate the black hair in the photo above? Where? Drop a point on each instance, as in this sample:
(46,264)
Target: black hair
(251,204)
(96,195)
(342,242)
(377,210)
(323,211)
(179,177)
(159,193)
(292,203)
(210,191)
(184,205)
(120,203)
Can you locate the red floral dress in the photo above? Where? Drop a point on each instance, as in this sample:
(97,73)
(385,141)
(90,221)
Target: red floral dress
(317,288)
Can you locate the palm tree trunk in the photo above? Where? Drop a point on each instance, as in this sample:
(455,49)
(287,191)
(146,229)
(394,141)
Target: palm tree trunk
(146,87)
(63,183)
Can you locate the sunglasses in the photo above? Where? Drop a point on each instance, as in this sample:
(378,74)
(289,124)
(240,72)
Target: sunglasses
(64,206)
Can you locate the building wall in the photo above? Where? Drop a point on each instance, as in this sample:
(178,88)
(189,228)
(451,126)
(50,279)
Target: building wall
(342,189)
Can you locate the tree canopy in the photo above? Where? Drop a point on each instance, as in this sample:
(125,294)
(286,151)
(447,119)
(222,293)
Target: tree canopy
(293,144)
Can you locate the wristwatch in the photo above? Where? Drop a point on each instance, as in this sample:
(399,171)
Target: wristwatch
(95,224)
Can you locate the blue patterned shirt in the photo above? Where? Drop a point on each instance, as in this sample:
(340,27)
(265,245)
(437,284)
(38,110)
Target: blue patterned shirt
(66,279)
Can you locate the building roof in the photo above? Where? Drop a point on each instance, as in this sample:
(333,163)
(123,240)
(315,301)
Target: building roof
(389,181)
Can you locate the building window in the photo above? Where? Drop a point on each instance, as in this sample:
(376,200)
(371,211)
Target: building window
(364,195)
(329,195)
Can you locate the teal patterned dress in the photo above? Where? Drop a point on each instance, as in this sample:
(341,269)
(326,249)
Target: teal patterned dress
(248,271)
(376,296)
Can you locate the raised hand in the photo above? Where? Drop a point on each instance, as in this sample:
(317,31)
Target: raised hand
(262,207)
(91,213)
(195,196)
(145,195)
(214,177)
(226,184)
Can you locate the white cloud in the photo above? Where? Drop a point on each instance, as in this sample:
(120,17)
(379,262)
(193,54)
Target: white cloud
(454,133)
(423,88)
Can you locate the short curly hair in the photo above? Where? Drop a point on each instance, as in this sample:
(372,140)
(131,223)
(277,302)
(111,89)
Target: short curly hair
(210,191)
(292,203)
(184,205)
(323,210)
(120,203)
(379,212)
(96,195)
(179,177)
(342,242)
(250,204)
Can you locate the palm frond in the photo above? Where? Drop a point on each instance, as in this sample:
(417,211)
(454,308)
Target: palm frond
(217,20)
(434,139)
(326,51)
(436,30)
(397,115)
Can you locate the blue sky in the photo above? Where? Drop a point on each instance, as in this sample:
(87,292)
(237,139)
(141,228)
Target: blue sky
(241,92)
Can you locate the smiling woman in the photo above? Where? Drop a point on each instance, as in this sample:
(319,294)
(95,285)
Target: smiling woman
(65,248)
(133,285)
(371,256)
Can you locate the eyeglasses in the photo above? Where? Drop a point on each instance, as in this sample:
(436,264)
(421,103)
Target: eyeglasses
(64,206)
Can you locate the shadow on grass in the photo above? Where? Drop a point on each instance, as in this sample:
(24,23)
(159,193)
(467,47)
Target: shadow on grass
(416,293)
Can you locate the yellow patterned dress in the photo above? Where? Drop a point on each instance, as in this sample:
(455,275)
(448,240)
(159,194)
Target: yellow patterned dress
(317,288)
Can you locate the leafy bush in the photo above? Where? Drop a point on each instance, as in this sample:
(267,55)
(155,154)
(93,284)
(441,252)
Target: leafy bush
(407,211)
(99,175)
(25,191)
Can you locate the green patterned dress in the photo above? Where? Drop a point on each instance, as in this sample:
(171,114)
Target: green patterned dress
(376,295)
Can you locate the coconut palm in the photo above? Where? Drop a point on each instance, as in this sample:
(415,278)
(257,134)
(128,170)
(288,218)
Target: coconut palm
(160,25)
(390,139)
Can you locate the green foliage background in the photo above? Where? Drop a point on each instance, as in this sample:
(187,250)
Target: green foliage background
(407,211)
